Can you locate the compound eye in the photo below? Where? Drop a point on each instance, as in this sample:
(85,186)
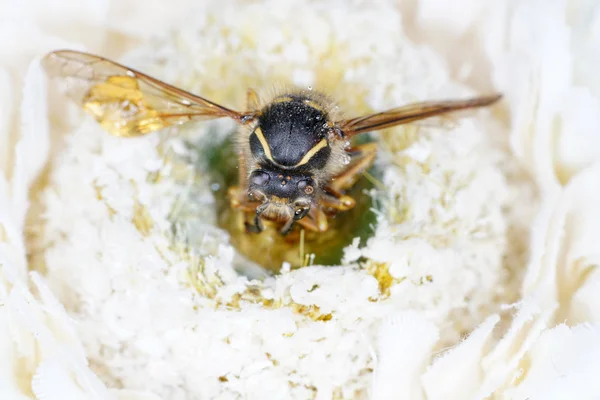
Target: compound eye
(259,178)
(306,186)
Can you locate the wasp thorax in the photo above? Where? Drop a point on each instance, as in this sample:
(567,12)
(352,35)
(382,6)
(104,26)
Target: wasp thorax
(291,133)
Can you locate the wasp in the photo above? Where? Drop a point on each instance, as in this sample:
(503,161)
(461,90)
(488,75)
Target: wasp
(295,154)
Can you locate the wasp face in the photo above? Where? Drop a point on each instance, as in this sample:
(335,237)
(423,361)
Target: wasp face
(285,195)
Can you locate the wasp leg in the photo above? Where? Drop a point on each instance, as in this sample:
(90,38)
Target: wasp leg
(238,199)
(239,202)
(287,227)
(337,201)
(315,220)
(363,156)
(257,227)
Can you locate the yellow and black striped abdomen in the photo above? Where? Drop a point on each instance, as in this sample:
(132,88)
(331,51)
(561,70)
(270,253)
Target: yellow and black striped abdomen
(292,133)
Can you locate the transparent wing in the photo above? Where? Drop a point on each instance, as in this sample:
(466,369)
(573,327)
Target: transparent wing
(127,102)
(411,113)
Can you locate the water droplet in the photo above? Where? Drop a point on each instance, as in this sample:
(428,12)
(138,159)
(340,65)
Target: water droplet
(346,144)
(346,160)
(310,88)
(215,186)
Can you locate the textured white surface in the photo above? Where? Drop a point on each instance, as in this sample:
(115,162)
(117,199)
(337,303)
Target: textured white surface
(151,326)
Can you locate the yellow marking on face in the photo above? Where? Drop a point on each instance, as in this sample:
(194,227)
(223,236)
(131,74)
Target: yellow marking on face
(314,150)
(279,200)
(278,209)
(263,142)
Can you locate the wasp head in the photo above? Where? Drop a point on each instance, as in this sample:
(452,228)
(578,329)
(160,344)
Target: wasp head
(285,195)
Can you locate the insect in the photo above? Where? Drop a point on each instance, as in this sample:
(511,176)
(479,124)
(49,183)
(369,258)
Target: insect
(296,159)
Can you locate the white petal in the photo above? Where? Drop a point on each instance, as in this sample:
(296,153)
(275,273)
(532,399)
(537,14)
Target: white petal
(563,364)
(404,345)
(458,373)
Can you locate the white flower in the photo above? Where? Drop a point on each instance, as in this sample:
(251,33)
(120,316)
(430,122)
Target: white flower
(139,294)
